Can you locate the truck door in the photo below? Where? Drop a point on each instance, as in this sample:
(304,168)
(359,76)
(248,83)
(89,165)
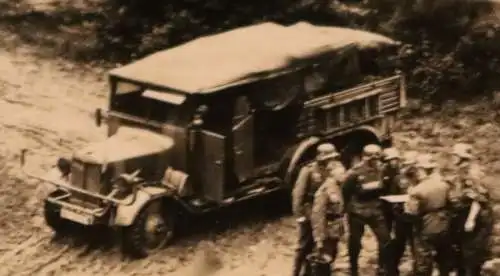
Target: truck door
(213,165)
(243,131)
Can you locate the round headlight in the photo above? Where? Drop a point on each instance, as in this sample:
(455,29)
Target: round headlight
(64,166)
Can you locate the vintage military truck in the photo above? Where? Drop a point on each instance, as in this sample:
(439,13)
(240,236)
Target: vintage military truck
(222,119)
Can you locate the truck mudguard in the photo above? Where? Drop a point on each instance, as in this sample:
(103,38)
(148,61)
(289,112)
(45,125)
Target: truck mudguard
(301,149)
(366,128)
(126,214)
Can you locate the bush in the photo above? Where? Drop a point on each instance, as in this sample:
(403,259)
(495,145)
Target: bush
(450,51)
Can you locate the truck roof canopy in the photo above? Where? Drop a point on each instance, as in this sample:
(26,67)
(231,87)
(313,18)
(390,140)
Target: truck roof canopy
(242,55)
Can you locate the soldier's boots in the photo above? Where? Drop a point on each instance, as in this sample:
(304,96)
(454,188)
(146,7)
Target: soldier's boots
(458,261)
(474,271)
(307,270)
(299,265)
(354,270)
(382,272)
(354,250)
(319,266)
(460,271)
(353,265)
(387,263)
(393,270)
(444,271)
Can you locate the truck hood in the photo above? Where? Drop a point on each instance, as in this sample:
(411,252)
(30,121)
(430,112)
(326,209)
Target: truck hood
(126,143)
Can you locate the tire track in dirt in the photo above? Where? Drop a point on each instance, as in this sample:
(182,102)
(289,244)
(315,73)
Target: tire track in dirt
(40,262)
(15,262)
(42,108)
(34,241)
(64,259)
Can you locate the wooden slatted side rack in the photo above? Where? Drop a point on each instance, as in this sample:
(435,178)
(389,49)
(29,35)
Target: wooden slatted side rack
(351,107)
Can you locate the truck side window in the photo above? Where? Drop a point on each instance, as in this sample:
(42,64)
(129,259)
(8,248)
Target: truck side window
(344,73)
(315,80)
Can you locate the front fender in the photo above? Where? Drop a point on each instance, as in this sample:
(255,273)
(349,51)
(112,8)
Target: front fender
(126,214)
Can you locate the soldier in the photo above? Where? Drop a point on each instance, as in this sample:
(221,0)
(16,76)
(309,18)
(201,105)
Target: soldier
(310,178)
(408,170)
(472,213)
(427,206)
(392,160)
(327,219)
(337,169)
(361,191)
(402,228)
(392,169)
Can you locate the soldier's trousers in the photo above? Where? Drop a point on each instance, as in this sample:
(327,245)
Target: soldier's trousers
(304,248)
(378,224)
(456,230)
(474,249)
(425,246)
(403,236)
(331,248)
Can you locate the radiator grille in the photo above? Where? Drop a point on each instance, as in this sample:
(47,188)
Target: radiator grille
(78,174)
(86,176)
(93,178)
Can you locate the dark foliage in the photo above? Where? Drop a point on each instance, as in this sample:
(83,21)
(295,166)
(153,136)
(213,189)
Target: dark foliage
(449,51)
(449,46)
(136,27)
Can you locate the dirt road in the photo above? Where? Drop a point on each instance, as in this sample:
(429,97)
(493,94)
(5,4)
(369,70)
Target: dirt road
(47,106)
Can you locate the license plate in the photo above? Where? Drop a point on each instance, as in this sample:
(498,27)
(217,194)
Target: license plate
(77,217)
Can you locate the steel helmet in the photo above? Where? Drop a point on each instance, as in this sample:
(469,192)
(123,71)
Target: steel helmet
(326,151)
(391,153)
(372,151)
(410,157)
(426,161)
(462,150)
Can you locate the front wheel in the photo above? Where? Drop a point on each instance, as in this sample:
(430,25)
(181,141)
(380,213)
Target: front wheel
(152,230)
(52,215)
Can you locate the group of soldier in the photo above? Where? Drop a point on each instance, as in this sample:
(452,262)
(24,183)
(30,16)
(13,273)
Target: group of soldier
(443,215)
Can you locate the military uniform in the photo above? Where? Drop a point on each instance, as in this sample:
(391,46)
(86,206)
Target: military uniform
(327,218)
(401,227)
(361,191)
(472,248)
(470,204)
(310,178)
(337,171)
(391,178)
(427,204)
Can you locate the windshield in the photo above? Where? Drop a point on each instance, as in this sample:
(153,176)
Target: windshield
(151,105)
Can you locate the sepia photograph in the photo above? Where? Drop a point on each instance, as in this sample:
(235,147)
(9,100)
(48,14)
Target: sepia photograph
(230,137)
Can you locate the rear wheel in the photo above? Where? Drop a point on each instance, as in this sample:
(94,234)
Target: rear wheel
(152,230)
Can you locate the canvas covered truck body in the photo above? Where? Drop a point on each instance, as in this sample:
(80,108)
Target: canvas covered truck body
(221,119)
